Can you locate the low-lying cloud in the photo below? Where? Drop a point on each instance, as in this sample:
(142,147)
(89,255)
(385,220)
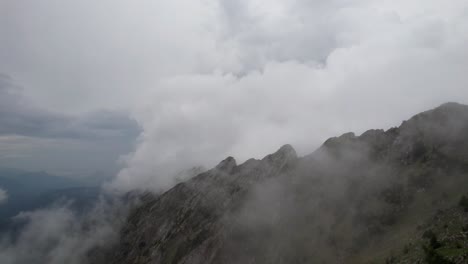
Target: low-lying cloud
(58,234)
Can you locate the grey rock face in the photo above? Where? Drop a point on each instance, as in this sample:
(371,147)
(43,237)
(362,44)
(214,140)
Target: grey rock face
(184,225)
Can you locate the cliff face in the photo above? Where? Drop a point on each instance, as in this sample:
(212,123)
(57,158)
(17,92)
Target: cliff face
(355,199)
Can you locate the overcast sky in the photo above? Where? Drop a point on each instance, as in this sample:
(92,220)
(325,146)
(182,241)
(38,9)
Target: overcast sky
(33,137)
(205,79)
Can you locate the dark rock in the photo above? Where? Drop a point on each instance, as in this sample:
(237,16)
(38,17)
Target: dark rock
(227,165)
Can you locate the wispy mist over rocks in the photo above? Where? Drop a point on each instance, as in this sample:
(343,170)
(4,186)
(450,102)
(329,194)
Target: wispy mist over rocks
(61,234)
(348,197)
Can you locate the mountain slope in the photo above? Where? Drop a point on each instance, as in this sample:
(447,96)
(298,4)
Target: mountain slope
(357,199)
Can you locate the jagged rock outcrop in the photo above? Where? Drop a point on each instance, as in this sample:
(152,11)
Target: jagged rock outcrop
(340,204)
(184,225)
(227,165)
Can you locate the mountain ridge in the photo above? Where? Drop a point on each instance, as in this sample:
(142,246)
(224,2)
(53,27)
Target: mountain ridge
(351,194)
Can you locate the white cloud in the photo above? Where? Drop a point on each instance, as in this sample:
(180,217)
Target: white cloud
(385,64)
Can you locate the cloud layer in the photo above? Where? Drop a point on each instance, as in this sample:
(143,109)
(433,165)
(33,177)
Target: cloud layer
(300,73)
(212,78)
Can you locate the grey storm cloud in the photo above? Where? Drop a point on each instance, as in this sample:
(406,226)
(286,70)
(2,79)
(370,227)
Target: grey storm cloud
(19,116)
(33,137)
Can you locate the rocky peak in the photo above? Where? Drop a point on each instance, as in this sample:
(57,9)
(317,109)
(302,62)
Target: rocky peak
(345,138)
(372,134)
(285,156)
(443,115)
(452,106)
(227,165)
(286,150)
(444,125)
(446,122)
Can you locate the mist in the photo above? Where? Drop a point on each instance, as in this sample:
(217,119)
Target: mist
(346,202)
(62,234)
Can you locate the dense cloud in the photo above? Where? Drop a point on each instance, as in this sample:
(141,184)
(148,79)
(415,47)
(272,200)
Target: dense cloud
(306,71)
